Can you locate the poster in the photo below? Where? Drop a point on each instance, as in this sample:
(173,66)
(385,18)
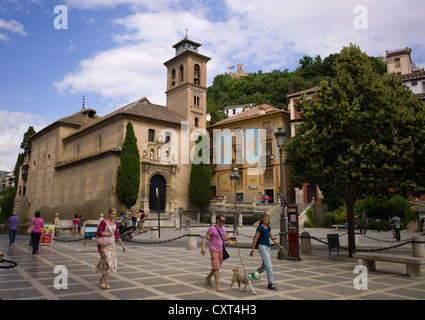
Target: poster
(47,234)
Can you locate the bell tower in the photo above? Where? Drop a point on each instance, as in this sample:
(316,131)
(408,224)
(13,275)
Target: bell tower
(187,83)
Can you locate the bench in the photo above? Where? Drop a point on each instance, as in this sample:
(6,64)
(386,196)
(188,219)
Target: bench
(413,264)
(338,226)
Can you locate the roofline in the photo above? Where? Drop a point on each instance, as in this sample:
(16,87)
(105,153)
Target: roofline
(272,113)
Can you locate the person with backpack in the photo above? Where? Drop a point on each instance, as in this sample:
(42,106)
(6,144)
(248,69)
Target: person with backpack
(262,238)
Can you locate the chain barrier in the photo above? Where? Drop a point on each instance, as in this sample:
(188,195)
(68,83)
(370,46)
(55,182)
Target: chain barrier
(7,264)
(399,244)
(249,246)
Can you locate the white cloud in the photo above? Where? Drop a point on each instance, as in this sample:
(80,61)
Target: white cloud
(11,26)
(13,125)
(265,35)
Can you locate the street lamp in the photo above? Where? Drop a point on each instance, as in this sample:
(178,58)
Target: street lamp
(235,176)
(280,141)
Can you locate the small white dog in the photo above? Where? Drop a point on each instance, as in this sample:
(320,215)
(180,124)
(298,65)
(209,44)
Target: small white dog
(241,279)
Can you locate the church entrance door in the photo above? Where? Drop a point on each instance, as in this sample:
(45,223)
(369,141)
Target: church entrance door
(157,187)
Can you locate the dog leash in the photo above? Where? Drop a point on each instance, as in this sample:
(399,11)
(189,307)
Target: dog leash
(240,258)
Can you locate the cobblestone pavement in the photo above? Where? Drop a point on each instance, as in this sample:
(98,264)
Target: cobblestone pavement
(161,271)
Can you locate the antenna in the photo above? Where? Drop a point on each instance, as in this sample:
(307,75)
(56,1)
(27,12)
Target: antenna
(187,30)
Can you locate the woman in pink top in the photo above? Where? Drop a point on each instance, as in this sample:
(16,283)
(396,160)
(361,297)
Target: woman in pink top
(108,230)
(216,249)
(38,224)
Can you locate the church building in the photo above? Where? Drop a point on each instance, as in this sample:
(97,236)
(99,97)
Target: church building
(72,165)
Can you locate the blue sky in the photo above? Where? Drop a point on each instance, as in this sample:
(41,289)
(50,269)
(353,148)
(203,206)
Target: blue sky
(113,50)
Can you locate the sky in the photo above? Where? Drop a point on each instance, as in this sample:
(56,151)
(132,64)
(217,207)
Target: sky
(54,53)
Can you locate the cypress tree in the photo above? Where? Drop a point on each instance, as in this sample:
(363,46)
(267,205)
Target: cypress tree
(128,174)
(200,178)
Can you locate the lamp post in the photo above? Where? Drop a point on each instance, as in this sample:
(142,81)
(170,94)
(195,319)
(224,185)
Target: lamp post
(235,176)
(280,141)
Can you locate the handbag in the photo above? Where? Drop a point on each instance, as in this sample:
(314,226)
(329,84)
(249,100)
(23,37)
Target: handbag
(104,241)
(29,230)
(225,253)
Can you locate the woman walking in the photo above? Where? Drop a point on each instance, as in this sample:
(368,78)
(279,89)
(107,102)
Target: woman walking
(106,231)
(38,224)
(262,237)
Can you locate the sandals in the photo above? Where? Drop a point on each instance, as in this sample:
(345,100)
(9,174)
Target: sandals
(271,286)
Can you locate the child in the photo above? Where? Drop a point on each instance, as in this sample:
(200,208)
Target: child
(75,225)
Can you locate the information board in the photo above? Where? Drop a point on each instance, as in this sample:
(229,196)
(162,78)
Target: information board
(90,230)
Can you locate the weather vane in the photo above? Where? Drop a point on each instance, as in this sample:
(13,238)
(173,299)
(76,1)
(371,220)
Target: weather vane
(187,30)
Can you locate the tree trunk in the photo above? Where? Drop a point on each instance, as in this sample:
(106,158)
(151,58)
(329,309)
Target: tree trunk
(350,199)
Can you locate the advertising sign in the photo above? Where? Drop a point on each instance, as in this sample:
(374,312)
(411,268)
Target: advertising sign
(47,234)
(293,238)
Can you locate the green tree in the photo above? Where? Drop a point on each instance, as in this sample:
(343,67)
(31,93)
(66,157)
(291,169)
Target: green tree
(128,174)
(25,145)
(200,176)
(364,134)
(6,204)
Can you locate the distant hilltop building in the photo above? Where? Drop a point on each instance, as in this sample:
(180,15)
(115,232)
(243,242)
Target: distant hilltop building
(239,73)
(234,110)
(399,62)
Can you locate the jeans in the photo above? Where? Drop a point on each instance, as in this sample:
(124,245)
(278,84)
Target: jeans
(35,237)
(267,263)
(12,235)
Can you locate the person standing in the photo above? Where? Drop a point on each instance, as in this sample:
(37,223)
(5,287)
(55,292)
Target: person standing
(363,222)
(106,231)
(38,224)
(75,225)
(12,223)
(262,237)
(396,223)
(217,235)
(142,218)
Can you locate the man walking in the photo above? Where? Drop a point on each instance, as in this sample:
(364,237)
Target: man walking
(217,235)
(396,222)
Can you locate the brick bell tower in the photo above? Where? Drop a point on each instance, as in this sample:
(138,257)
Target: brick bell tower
(187,83)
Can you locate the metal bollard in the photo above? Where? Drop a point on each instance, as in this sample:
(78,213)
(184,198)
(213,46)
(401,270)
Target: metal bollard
(418,247)
(305,243)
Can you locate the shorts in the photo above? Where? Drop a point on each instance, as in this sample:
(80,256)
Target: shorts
(216,259)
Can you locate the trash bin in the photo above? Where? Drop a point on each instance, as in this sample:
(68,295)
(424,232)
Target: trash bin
(333,243)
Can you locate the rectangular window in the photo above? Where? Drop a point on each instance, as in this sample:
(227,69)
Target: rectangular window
(151,135)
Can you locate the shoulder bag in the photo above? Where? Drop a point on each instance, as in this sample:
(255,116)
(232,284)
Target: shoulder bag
(225,253)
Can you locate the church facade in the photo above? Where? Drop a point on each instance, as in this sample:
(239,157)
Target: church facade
(72,165)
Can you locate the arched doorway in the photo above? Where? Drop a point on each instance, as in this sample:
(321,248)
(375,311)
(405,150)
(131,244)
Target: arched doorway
(157,182)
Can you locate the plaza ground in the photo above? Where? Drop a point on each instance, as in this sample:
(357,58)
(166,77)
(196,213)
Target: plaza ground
(149,270)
